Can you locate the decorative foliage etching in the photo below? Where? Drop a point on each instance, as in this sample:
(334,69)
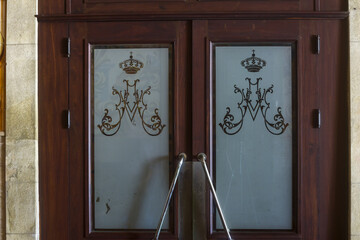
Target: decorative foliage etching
(276,125)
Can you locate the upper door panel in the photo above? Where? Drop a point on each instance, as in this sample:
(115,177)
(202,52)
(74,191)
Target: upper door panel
(191,7)
(185,6)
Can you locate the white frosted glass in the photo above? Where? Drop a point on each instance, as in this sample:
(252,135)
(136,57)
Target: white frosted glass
(254,166)
(131,167)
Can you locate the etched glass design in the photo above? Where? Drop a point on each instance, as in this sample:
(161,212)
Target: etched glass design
(131,128)
(254,135)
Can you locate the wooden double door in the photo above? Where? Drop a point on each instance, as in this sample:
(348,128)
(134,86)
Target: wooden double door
(264,100)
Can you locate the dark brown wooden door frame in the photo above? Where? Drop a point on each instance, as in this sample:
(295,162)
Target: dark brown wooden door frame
(53,134)
(323,78)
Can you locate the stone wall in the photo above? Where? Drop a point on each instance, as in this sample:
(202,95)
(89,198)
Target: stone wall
(354,6)
(21,121)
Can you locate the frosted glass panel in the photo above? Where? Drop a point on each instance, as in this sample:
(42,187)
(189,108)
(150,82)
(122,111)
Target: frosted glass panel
(253,127)
(131,136)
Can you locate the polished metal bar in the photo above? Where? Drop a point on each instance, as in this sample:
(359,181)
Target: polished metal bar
(181,158)
(202,158)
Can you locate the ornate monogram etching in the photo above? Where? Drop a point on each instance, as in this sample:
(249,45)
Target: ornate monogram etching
(136,106)
(246,104)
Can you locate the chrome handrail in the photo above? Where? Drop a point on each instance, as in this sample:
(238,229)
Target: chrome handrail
(202,158)
(182,157)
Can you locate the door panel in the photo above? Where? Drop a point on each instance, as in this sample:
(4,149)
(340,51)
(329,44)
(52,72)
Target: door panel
(135,126)
(252,132)
(190,7)
(183,6)
(294,183)
(195,7)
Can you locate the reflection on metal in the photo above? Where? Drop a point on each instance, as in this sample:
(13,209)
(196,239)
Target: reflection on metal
(317,118)
(131,66)
(202,158)
(317,44)
(182,158)
(153,126)
(230,126)
(68,47)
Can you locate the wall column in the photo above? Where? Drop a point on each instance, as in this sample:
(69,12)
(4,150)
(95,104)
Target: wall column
(21,122)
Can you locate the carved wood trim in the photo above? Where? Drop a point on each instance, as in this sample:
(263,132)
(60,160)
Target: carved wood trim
(195,16)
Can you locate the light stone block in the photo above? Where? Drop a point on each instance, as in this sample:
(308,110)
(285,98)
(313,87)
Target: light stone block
(355,209)
(20,160)
(20,120)
(21,21)
(21,92)
(355,238)
(20,73)
(21,207)
(354,5)
(354,68)
(355,110)
(2,189)
(21,237)
(354,8)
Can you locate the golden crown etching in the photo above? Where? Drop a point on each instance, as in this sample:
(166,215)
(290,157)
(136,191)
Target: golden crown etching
(131,66)
(153,127)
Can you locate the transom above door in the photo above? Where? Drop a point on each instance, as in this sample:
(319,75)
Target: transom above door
(198,8)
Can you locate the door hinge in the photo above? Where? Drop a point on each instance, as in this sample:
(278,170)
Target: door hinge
(317,44)
(68,47)
(317,118)
(68,121)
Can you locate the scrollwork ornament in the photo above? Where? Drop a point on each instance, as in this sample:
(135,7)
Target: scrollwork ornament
(231,126)
(152,128)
